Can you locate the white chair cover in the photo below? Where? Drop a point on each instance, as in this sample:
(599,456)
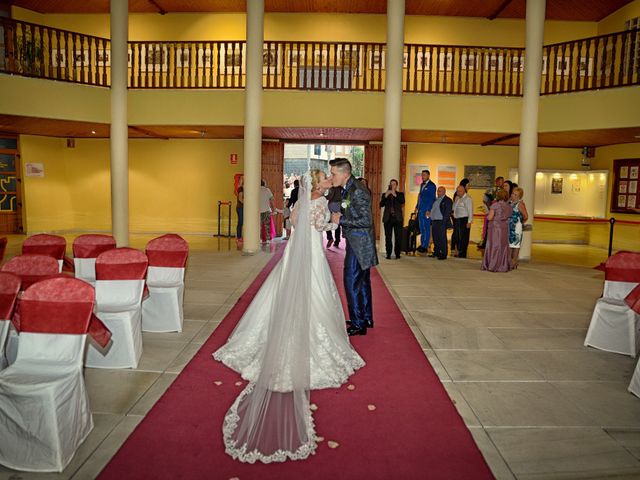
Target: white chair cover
(85,269)
(118,306)
(634,386)
(162,310)
(4,334)
(44,408)
(119,287)
(614,328)
(618,290)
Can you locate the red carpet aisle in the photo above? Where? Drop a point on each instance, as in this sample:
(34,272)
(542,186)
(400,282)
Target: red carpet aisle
(414,432)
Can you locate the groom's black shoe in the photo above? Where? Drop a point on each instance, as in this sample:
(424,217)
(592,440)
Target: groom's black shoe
(369,324)
(352,331)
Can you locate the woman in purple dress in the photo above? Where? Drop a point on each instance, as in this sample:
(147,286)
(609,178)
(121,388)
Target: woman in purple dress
(497,257)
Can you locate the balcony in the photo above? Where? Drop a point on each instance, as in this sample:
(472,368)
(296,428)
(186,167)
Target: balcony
(600,62)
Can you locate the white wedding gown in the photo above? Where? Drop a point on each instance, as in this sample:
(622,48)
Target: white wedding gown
(300,353)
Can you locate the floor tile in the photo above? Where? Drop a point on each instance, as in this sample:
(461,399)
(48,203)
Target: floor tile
(116,391)
(580,365)
(562,451)
(522,404)
(482,365)
(107,449)
(151,396)
(461,338)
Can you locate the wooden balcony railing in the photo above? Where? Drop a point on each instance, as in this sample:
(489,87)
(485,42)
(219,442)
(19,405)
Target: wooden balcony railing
(44,52)
(591,63)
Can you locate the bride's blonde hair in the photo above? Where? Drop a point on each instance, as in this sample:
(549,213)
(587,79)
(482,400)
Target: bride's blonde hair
(315,178)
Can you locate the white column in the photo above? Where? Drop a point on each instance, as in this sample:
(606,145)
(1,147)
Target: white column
(392,98)
(528,155)
(253,126)
(119,130)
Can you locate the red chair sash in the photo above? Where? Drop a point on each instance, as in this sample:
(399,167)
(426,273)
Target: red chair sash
(633,299)
(121,264)
(9,288)
(92,245)
(169,250)
(61,305)
(44,244)
(3,247)
(31,268)
(7,304)
(623,267)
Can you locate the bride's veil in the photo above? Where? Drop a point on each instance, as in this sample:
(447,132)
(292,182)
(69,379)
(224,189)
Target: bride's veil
(271,419)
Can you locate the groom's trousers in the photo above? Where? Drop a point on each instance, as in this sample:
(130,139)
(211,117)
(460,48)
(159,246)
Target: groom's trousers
(357,286)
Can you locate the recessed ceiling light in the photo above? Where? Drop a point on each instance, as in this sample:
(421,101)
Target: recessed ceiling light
(93,132)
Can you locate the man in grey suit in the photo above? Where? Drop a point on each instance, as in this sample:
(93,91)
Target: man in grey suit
(361,255)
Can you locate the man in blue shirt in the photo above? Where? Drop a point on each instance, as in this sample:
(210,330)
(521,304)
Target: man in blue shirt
(426,197)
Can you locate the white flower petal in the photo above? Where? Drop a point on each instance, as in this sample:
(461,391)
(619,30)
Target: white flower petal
(351,387)
(313,407)
(332,444)
(371,407)
(218,382)
(319,439)
(238,384)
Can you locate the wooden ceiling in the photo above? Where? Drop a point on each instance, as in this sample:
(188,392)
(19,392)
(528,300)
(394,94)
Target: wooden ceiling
(13,124)
(579,10)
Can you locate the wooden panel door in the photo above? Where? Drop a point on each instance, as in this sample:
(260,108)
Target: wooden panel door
(10,186)
(373,175)
(273,175)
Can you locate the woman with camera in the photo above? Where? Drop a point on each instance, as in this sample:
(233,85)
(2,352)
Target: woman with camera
(392,201)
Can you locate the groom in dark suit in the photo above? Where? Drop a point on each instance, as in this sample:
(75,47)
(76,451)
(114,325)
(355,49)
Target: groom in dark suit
(357,228)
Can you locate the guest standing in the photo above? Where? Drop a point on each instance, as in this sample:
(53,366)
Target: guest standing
(393,202)
(426,197)
(266,207)
(462,218)
(497,257)
(440,222)
(464,183)
(240,208)
(518,218)
(488,199)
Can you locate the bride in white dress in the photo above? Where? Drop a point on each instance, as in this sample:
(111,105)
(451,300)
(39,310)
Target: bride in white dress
(291,339)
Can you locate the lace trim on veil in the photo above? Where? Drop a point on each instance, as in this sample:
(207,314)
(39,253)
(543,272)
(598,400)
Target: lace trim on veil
(230,425)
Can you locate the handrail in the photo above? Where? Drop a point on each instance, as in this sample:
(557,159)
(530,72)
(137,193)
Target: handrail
(597,62)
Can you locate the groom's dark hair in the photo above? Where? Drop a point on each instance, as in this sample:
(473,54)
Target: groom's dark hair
(342,164)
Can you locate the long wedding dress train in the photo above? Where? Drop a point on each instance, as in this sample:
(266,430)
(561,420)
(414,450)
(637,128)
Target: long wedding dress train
(291,339)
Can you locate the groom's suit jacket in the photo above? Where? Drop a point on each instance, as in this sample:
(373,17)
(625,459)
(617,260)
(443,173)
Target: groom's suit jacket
(357,223)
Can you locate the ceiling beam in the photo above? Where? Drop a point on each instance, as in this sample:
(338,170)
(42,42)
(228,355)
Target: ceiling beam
(161,10)
(504,138)
(499,10)
(148,133)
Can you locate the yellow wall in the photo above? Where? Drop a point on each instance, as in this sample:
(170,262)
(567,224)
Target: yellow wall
(627,237)
(47,203)
(615,21)
(315,27)
(174,184)
(504,158)
(35,97)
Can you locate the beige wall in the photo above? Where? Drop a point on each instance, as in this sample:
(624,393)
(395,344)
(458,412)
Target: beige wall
(615,21)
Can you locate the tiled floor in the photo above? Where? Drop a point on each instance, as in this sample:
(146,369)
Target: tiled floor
(508,348)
